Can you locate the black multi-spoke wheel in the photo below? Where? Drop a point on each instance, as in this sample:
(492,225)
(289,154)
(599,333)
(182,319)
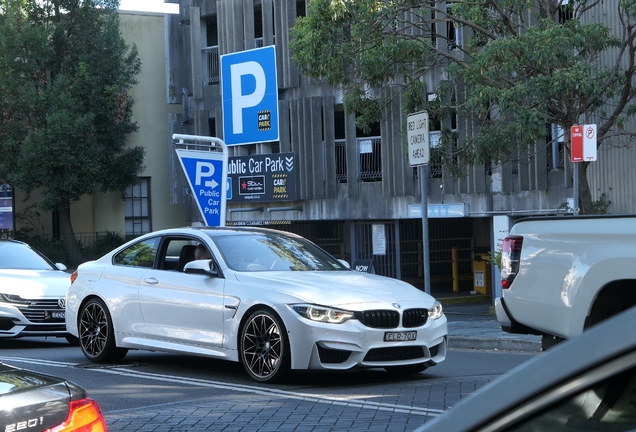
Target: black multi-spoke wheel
(264,347)
(96,335)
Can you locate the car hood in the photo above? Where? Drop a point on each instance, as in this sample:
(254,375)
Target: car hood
(32,284)
(337,288)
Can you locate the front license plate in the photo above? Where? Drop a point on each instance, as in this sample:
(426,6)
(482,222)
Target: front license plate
(400,336)
(60,315)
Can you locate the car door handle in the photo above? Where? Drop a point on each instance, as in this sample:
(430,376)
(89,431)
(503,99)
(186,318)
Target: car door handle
(151,281)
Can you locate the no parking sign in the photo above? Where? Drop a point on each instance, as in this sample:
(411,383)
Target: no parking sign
(583,142)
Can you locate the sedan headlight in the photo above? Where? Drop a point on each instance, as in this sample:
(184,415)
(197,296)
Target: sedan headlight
(11,298)
(436,311)
(322,313)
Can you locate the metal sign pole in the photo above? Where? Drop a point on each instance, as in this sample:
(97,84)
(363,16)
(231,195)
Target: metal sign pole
(575,186)
(419,155)
(423,173)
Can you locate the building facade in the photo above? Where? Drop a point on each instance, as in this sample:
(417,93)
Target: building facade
(356,194)
(353,193)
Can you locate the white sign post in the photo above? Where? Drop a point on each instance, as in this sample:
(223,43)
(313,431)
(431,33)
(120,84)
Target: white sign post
(583,142)
(419,155)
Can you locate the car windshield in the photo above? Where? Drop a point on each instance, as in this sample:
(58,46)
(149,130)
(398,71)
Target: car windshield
(273,252)
(20,257)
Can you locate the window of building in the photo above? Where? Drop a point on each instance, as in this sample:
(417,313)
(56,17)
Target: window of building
(301,9)
(137,208)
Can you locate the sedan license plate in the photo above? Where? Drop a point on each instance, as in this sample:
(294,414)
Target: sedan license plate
(400,336)
(60,315)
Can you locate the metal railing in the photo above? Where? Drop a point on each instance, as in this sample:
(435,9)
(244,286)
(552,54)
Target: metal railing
(90,246)
(369,159)
(370,153)
(211,62)
(341,161)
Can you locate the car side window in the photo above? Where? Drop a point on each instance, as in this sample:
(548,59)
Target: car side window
(141,254)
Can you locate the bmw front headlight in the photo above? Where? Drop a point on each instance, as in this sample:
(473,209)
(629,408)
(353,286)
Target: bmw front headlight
(436,311)
(322,313)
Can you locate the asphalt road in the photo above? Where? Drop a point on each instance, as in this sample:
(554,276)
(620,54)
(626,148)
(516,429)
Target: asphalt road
(164,392)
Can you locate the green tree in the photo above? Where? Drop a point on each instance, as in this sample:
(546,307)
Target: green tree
(522,65)
(65,73)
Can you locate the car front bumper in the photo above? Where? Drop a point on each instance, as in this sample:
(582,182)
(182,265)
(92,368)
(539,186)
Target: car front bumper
(349,345)
(14,323)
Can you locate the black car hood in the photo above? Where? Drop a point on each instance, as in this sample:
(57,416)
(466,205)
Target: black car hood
(31,401)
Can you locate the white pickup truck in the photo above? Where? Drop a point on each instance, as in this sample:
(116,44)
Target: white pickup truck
(563,274)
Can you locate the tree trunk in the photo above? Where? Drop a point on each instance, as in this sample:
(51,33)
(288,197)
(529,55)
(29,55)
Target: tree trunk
(75,255)
(585,194)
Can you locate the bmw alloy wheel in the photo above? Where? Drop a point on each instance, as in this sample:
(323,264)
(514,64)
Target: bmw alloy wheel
(96,335)
(264,347)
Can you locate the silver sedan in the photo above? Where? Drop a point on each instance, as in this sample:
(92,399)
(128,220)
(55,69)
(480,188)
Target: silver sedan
(32,293)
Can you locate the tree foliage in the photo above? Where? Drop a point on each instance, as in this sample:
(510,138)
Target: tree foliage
(65,73)
(520,66)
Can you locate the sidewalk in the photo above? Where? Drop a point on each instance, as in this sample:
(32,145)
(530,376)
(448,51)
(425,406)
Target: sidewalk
(472,324)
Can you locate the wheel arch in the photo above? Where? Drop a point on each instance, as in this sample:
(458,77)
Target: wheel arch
(247,314)
(613,298)
(83,303)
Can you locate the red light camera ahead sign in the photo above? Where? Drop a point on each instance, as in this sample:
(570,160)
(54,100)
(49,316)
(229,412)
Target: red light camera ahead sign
(583,140)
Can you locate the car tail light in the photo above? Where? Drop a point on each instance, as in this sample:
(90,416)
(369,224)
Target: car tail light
(73,277)
(510,257)
(84,415)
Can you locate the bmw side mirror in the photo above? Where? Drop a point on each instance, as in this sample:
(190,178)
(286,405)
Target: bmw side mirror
(205,266)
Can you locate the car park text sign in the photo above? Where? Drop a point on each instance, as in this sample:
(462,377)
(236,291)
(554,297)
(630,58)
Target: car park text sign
(249,91)
(583,143)
(208,181)
(417,133)
(270,177)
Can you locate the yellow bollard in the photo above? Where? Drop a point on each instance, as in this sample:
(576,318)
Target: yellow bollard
(455,269)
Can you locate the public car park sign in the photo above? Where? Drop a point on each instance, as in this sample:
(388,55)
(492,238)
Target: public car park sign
(249,91)
(262,178)
(207,179)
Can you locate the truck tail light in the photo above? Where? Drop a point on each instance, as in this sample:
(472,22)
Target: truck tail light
(84,415)
(510,257)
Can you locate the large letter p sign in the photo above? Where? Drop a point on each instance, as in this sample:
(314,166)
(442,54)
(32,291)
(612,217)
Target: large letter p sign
(241,101)
(250,96)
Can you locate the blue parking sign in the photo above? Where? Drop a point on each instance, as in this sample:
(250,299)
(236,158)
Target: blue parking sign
(250,96)
(208,180)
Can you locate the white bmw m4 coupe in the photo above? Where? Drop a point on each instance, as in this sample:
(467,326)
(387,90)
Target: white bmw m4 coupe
(271,300)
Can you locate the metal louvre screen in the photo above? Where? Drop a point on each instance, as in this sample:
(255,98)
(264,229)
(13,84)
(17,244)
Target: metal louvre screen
(384,263)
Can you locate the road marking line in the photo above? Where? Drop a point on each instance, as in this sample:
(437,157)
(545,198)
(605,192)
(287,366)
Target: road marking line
(305,397)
